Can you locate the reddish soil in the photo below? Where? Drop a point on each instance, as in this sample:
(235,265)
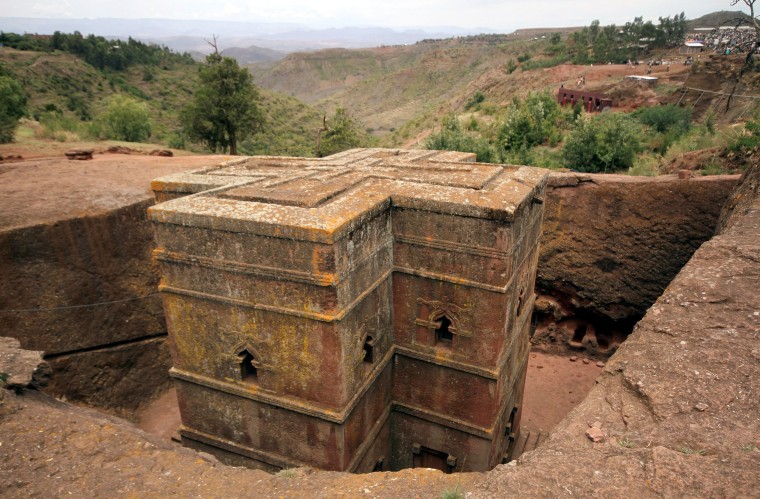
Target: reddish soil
(553,388)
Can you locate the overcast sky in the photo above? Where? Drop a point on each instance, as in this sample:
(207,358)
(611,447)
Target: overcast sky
(497,14)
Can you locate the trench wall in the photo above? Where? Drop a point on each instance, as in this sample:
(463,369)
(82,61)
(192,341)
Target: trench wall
(83,290)
(610,245)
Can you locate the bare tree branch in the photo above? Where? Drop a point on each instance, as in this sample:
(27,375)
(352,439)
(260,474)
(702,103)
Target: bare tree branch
(213,43)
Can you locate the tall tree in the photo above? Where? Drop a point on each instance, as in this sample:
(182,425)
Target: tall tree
(12,106)
(224,109)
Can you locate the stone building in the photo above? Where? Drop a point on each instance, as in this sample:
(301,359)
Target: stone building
(365,311)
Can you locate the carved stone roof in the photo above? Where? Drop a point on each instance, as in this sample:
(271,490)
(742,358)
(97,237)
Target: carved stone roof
(321,199)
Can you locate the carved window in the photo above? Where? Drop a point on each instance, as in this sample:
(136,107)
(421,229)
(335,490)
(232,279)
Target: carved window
(443,333)
(249,366)
(369,349)
(442,321)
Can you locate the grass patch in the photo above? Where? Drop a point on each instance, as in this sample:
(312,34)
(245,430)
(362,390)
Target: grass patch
(713,169)
(287,473)
(645,165)
(453,493)
(624,442)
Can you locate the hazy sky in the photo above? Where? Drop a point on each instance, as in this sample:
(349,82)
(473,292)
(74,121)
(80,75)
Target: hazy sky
(498,14)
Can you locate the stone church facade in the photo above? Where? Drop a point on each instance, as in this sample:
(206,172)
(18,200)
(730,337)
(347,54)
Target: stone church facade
(366,311)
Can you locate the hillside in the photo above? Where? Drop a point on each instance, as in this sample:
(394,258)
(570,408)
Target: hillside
(61,87)
(249,55)
(386,87)
(720,18)
(65,83)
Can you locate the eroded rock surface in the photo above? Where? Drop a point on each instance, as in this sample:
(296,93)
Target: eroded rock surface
(77,274)
(21,368)
(610,245)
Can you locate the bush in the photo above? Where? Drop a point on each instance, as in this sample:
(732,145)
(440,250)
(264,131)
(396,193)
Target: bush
(475,100)
(344,132)
(670,122)
(606,143)
(530,122)
(549,62)
(452,137)
(749,138)
(12,107)
(126,119)
(524,57)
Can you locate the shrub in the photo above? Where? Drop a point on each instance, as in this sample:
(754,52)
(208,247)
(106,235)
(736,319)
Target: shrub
(523,58)
(749,138)
(475,100)
(126,119)
(12,107)
(452,137)
(530,122)
(669,121)
(62,128)
(608,142)
(344,132)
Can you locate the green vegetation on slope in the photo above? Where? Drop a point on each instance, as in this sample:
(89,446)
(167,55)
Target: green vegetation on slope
(97,51)
(69,98)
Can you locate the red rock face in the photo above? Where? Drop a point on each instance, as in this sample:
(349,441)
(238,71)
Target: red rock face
(610,245)
(370,310)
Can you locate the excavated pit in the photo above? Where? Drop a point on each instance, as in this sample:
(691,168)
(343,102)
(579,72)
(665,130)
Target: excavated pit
(610,246)
(674,411)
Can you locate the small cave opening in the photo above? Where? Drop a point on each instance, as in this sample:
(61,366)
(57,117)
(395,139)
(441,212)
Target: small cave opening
(579,334)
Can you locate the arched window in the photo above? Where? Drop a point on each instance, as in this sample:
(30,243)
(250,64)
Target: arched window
(248,366)
(443,334)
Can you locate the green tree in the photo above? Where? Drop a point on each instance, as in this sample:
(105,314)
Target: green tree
(452,137)
(579,46)
(530,122)
(341,133)
(606,143)
(224,110)
(12,107)
(127,119)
